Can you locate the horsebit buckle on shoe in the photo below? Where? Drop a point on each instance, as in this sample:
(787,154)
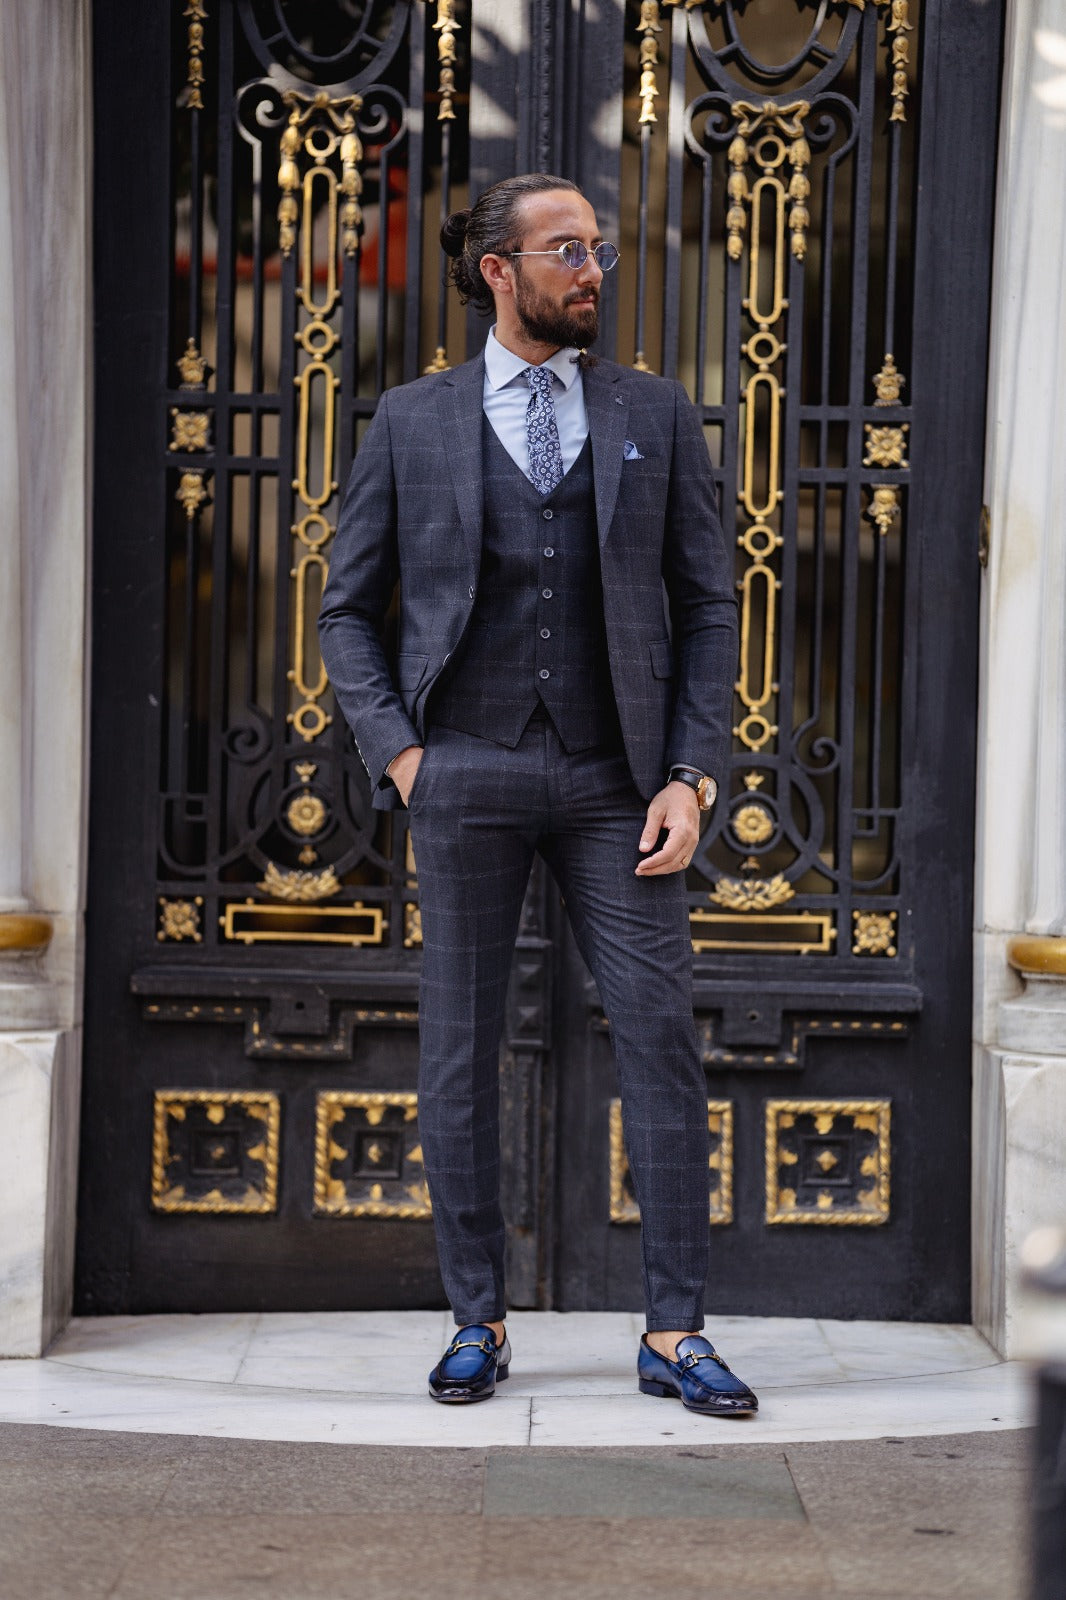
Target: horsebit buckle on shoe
(471,1344)
(690,1358)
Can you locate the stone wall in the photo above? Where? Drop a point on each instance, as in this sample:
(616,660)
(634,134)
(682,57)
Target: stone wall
(45,327)
(1019,1109)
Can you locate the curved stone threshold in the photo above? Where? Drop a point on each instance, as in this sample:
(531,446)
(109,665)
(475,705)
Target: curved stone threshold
(331,1378)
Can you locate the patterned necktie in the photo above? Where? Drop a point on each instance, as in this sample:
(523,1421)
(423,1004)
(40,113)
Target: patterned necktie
(542,431)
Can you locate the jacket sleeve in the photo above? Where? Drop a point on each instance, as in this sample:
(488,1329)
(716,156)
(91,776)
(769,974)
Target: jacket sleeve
(364,567)
(698,575)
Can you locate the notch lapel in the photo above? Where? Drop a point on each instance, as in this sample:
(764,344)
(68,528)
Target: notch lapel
(461,405)
(607,405)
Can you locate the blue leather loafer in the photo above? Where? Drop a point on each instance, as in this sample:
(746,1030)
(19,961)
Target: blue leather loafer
(471,1366)
(699,1378)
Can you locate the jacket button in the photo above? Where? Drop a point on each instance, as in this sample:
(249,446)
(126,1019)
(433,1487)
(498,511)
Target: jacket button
(545,633)
(547,515)
(544,673)
(447,658)
(471,593)
(547,594)
(549,552)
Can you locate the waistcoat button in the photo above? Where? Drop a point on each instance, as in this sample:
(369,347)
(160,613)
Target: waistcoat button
(549,552)
(545,633)
(546,593)
(544,672)
(547,515)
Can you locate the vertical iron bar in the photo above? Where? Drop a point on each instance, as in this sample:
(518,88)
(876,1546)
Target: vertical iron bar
(416,140)
(642,241)
(251,598)
(877,647)
(257,268)
(195,230)
(706,197)
(675,190)
(445,210)
(221,555)
(891,234)
(381,352)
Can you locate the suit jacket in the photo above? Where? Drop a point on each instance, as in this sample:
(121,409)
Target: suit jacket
(413,512)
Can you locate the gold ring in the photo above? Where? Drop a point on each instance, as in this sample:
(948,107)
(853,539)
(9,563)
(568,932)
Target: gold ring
(684,861)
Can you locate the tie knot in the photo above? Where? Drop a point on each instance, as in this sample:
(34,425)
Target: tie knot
(540,381)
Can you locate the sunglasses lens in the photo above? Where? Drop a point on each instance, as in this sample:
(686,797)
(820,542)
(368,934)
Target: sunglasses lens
(606,256)
(574,254)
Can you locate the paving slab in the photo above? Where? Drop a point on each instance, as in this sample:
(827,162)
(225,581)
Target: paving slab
(532,1484)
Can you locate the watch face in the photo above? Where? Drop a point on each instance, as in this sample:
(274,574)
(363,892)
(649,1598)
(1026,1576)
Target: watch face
(706,792)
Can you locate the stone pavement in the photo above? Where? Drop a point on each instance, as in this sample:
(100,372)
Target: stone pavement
(216,1457)
(88,1514)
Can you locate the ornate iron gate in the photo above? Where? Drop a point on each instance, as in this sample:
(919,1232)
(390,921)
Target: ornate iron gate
(250,1120)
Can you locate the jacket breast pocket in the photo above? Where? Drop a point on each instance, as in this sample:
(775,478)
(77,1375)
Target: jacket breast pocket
(409,670)
(662,658)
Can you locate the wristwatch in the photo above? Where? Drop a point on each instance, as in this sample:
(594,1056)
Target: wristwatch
(705,787)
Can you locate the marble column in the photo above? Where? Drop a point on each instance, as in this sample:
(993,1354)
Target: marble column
(1019,1170)
(45,328)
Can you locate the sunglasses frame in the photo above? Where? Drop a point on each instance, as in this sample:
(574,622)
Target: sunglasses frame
(558,251)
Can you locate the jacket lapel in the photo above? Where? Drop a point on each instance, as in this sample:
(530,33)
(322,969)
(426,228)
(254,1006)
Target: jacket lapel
(461,403)
(607,405)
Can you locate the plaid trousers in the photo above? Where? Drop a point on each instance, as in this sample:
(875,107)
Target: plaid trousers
(478,812)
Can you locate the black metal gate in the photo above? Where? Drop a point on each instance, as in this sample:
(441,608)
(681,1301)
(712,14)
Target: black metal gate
(803,197)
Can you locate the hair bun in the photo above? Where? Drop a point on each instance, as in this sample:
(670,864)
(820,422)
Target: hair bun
(453,232)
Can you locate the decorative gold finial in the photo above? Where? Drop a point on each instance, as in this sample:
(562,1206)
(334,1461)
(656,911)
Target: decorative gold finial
(195,71)
(649,25)
(192,366)
(447,27)
(884,506)
(191,492)
(888,383)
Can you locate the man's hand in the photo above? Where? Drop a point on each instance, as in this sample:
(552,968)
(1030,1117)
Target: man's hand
(402,768)
(676,809)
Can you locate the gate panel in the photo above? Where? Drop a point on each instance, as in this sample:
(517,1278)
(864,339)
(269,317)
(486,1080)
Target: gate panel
(794,251)
(267,265)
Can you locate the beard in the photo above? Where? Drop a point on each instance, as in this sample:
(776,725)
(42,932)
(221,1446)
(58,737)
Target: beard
(545,321)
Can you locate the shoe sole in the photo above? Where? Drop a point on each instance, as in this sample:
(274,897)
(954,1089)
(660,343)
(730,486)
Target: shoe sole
(502,1374)
(662,1391)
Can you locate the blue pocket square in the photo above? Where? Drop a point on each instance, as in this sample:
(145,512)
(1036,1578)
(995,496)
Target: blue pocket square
(630,452)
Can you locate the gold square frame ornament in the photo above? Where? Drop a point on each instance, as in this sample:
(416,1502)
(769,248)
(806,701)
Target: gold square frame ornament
(245,1128)
(624,1208)
(390,1182)
(848,1142)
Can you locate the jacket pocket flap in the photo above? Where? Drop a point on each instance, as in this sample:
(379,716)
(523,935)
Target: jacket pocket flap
(409,669)
(662,658)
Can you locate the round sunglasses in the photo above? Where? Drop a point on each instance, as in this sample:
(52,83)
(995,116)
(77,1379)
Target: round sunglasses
(574,254)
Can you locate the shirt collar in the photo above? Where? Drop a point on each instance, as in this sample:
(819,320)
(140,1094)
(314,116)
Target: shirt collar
(502,366)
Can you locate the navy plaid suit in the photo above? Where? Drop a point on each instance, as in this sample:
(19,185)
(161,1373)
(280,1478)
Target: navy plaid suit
(414,511)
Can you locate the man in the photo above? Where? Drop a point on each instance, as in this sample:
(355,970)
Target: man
(563,684)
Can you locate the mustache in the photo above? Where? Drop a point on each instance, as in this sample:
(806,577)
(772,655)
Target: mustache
(583,295)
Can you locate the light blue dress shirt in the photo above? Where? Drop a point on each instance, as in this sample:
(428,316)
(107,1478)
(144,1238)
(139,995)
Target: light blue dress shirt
(507,396)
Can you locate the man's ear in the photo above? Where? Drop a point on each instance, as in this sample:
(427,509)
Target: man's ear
(497,273)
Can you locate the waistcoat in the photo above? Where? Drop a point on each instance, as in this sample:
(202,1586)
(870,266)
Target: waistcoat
(536,635)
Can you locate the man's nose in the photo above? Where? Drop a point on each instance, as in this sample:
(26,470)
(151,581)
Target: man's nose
(590,273)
